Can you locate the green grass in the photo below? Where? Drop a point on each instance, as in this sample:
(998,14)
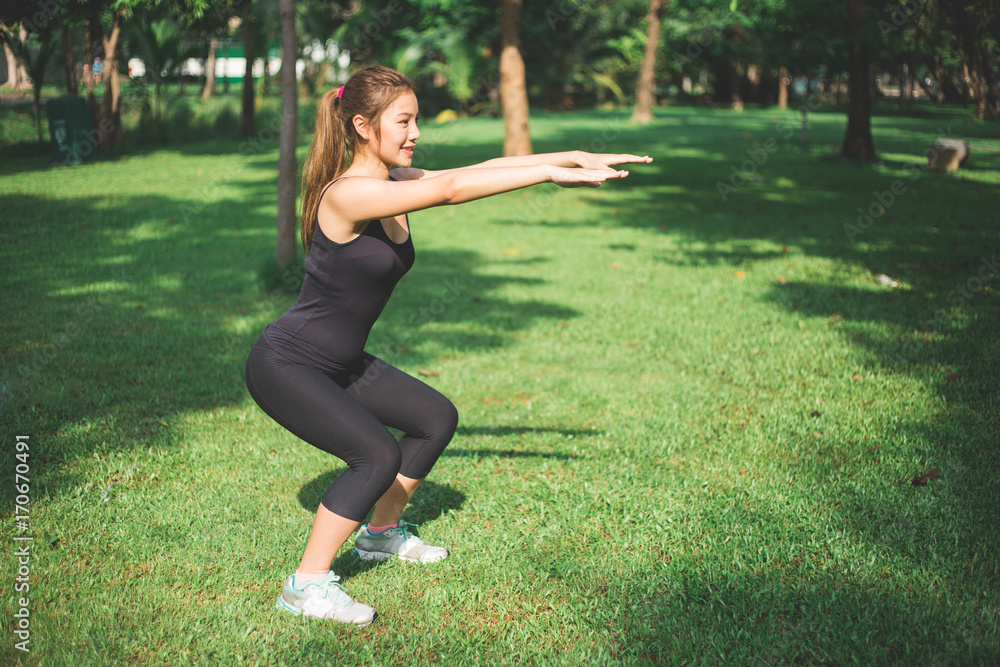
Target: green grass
(688,426)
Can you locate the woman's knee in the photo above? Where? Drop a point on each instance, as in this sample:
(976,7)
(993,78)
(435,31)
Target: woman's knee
(442,420)
(380,463)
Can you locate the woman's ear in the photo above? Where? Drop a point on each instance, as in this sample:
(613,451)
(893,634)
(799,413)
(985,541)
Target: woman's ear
(360,126)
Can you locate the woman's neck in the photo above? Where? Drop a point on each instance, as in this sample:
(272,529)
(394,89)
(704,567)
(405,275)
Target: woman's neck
(369,165)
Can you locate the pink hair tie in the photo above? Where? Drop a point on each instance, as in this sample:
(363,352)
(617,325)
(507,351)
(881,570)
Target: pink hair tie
(340,92)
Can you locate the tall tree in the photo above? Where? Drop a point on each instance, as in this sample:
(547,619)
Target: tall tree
(858,142)
(645,89)
(286,143)
(513,89)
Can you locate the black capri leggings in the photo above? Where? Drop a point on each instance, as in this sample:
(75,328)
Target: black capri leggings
(346,415)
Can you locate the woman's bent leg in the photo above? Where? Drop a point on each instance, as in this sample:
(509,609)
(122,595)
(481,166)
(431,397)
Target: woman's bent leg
(426,417)
(315,408)
(428,421)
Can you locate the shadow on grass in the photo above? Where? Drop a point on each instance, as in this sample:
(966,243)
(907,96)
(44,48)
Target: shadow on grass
(823,620)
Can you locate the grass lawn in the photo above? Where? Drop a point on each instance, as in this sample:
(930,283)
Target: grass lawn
(690,414)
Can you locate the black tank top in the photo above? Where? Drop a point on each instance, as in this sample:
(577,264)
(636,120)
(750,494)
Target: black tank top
(345,289)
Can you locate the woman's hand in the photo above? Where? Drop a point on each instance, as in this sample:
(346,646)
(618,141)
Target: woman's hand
(574,177)
(606,160)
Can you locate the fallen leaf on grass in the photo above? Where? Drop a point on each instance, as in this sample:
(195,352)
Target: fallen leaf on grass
(615,265)
(511,251)
(855,377)
(814,413)
(926,477)
(741,275)
(424,371)
(954,377)
(781,279)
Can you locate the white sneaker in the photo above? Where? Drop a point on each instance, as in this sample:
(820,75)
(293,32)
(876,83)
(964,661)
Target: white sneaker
(398,541)
(324,598)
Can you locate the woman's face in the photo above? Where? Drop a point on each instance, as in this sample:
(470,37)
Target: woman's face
(399,131)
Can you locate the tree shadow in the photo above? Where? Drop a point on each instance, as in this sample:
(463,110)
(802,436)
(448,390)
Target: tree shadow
(695,617)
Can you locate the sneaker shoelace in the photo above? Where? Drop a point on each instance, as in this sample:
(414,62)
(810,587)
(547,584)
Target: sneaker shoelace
(330,588)
(403,530)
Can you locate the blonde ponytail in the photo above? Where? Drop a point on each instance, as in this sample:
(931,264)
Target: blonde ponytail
(368,93)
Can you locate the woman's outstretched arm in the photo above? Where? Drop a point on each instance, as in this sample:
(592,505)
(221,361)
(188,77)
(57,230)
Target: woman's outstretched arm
(356,200)
(562,159)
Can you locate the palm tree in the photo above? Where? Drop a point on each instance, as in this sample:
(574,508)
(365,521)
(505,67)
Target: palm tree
(160,44)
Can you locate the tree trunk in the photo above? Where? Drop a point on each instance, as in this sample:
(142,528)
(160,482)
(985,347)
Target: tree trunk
(285,241)
(902,88)
(23,78)
(111,109)
(69,64)
(911,87)
(783,88)
(992,91)
(513,89)
(966,84)
(16,76)
(753,82)
(932,94)
(858,142)
(225,71)
(736,102)
(209,88)
(645,94)
(975,80)
(247,124)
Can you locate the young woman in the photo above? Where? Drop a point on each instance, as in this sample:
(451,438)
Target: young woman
(309,371)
